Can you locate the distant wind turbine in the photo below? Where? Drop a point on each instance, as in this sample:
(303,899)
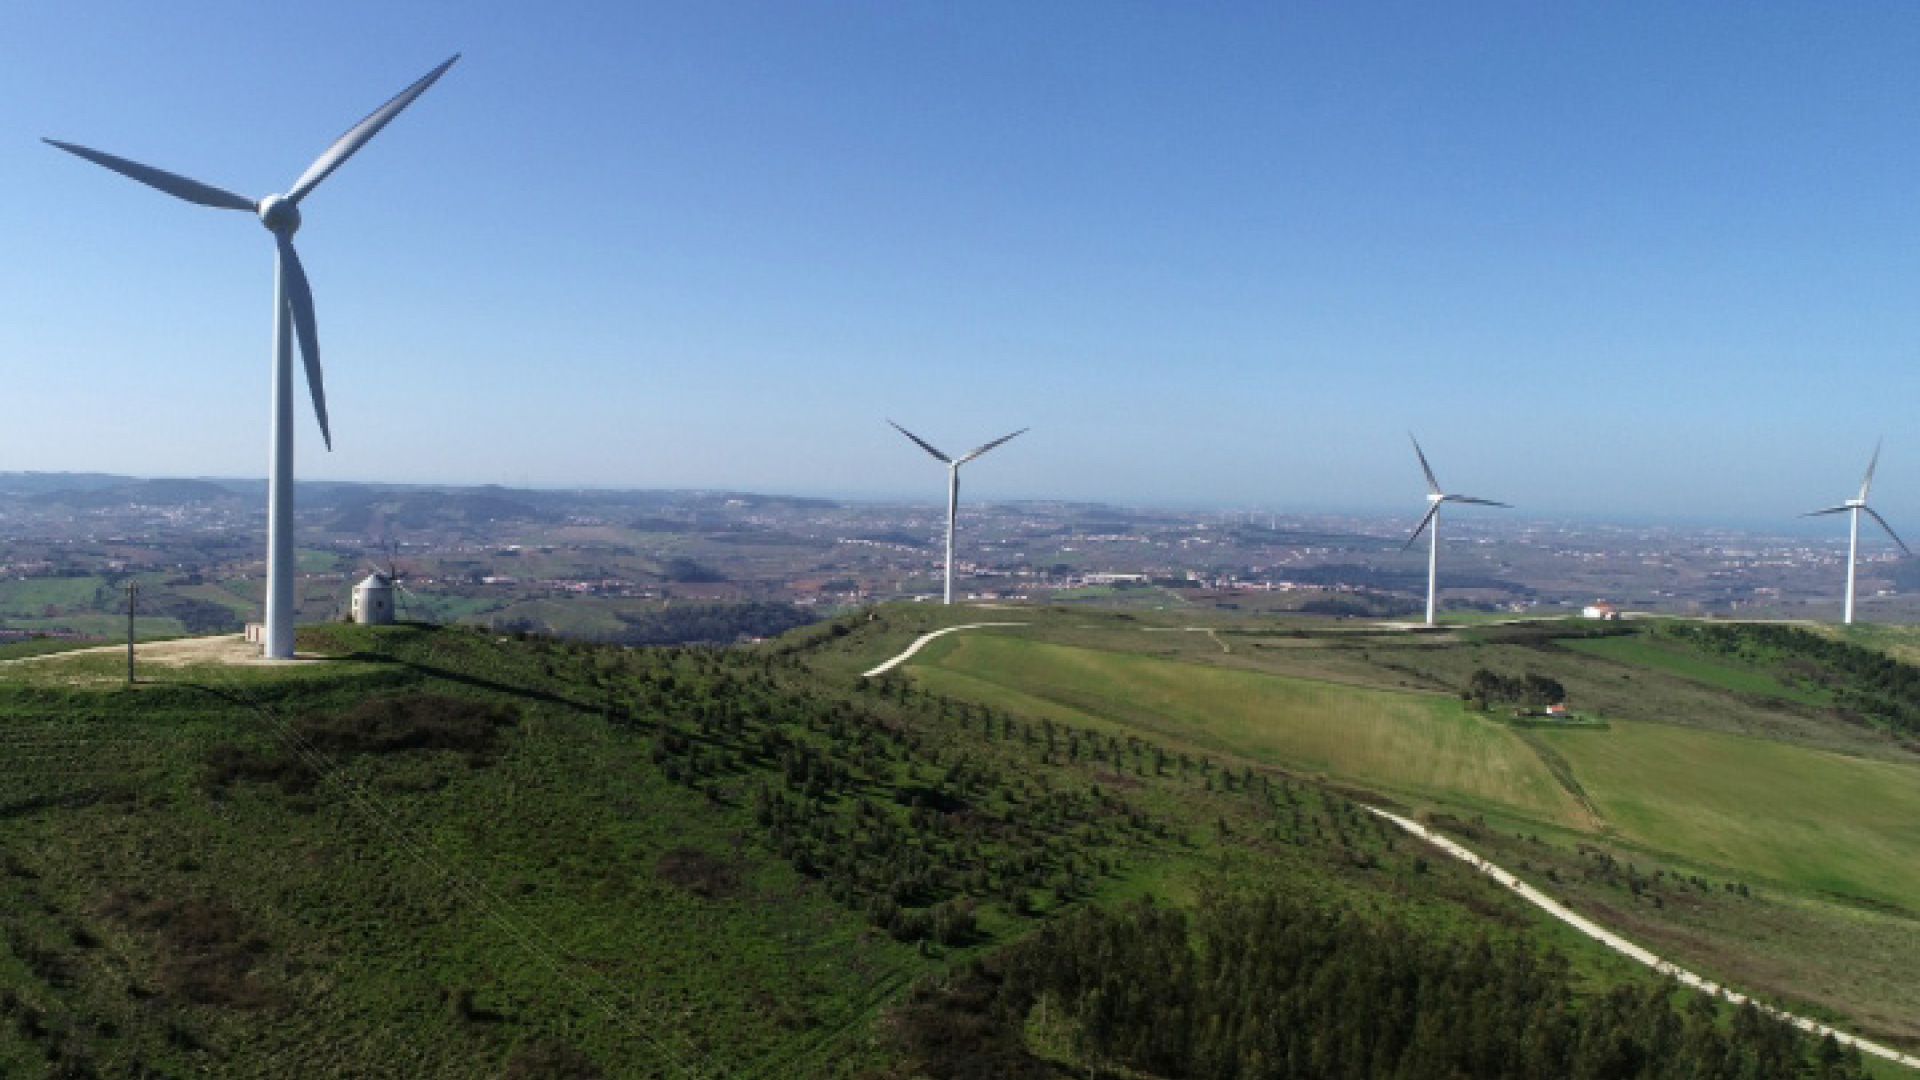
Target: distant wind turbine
(1854,507)
(953,486)
(1435,498)
(292,315)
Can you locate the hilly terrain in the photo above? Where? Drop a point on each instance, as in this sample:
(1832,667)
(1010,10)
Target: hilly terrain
(1745,798)
(1085,845)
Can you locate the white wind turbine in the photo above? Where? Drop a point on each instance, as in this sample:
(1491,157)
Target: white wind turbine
(1435,499)
(292,315)
(953,486)
(1854,507)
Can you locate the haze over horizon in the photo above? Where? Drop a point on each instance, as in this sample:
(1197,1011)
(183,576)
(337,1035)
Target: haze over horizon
(1629,261)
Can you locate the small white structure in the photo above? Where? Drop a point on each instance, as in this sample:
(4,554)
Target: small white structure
(1600,610)
(373,601)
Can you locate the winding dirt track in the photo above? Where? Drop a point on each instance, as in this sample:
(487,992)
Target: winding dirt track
(923,639)
(1545,903)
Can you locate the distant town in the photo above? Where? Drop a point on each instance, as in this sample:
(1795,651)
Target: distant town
(606,565)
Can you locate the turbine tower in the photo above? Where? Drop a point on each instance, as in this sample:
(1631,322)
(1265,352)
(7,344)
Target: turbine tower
(953,486)
(1854,507)
(292,317)
(1435,499)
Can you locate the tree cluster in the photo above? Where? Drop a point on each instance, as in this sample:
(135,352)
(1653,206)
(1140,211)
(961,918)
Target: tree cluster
(1486,688)
(1269,987)
(1866,684)
(714,624)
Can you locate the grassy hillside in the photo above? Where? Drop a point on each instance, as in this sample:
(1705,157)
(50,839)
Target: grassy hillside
(454,854)
(1412,743)
(448,852)
(1826,823)
(1812,833)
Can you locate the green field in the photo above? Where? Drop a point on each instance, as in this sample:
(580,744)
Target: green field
(1826,823)
(32,596)
(455,852)
(1830,839)
(1421,744)
(103,625)
(1835,825)
(594,877)
(1643,651)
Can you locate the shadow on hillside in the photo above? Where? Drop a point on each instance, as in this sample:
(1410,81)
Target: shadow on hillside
(492,685)
(239,697)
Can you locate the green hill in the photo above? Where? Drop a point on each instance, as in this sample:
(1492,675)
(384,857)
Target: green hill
(1750,803)
(447,852)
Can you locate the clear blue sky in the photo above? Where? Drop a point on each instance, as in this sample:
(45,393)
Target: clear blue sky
(1644,259)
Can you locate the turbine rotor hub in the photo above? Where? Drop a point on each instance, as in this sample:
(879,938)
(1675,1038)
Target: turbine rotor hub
(280,215)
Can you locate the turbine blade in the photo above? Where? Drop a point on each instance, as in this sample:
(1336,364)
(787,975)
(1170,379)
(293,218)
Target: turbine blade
(1889,528)
(978,450)
(924,444)
(1868,481)
(300,305)
(1829,510)
(173,184)
(1476,502)
(357,135)
(1422,527)
(1432,484)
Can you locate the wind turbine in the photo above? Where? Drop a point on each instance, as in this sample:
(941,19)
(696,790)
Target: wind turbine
(1435,499)
(292,315)
(953,486)
(1854,507)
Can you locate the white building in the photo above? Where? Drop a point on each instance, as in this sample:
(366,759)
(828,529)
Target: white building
(373,601)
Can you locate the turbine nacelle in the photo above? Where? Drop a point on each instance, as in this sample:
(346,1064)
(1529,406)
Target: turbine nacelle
(280,215)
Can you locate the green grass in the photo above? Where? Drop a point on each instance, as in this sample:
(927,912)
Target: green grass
(315,561)
(1476,617)
(1831,840)
(32,596)
(1420,744)
(242,606)
(434,912)
(20,650)
(566,618)
(104,625)
(1643,651)
(1830,824)
(1825,823)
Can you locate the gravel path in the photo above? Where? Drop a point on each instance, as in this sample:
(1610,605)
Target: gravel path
(923,639)
(1629,949)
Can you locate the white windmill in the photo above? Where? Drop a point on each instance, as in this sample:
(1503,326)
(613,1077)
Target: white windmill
(1854,507)
(953,487)
(381,596)
(373,600)
(1435,499)
(292,316)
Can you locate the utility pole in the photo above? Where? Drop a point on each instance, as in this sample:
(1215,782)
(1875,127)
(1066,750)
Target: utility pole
(133,592)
